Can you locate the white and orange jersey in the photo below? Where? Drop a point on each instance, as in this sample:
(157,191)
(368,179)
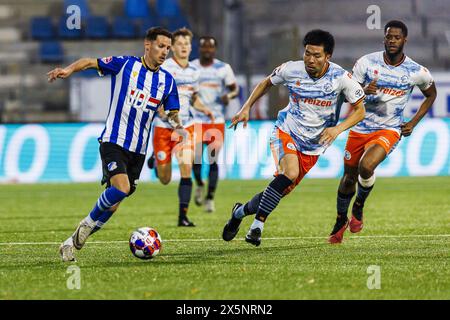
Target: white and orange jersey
(213,83)
(314,104)
(384,110)
(186,80)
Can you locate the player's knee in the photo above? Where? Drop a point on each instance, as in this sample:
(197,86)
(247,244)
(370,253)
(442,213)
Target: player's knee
(125,188)
(349,180)
(165,180)
(292,173)
(366,169)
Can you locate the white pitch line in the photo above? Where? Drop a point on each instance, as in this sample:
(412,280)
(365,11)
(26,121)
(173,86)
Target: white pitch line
(218,239)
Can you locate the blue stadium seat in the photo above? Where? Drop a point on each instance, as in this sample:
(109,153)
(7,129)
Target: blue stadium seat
(82,4)
(137,8)
(168,8)
(123,28)
(42,28)
(195,47)
(177,22)
(51,52)
(66,33)
(97,28)
(145,24)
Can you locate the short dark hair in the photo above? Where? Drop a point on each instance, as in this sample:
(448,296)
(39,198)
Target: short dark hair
(319,37)
(207,38)
(154,32)
(183,32)
(397,24)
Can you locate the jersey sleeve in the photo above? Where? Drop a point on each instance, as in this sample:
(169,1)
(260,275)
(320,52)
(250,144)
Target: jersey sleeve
(172,101)
(230,78)
(351,89)
(359,70)
(278,75)
(424,79)
(111,65)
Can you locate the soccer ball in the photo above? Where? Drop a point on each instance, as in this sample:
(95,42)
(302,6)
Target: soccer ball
(145,243)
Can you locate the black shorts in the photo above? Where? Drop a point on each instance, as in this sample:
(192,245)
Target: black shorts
(116,159)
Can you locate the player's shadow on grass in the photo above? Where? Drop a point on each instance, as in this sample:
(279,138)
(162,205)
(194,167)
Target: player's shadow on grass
(208,255)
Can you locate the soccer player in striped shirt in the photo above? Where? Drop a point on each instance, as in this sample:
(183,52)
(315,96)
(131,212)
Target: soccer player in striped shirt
(303,129)
(138,87)
(388,78)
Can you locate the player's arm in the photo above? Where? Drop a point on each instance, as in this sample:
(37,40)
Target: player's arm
(244,114)
(233,91)
(79,65)
(330,134)
(430,95)
(198,105)
(174,119)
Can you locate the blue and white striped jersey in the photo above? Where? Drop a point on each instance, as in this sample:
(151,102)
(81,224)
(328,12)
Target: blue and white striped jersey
(136,94)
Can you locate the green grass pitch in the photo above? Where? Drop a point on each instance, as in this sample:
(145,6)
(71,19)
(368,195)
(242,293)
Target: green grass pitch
(406,234)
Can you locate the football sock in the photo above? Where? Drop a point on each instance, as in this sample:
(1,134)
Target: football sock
(197,168)
(69,241)
(249,208)
(107,199)
(257,224)
(102,220)
(364,188)
(272,196)
(343,202)
(213,179)
(184,195)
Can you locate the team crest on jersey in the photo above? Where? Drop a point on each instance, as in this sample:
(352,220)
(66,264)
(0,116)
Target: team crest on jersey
(328,88)
(107,60)
(291,146)
(404,79)
(161,155)
(297,83)
(112,166)
(347,155)
(359,93)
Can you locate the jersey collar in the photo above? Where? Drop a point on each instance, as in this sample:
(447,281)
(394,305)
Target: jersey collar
(147,67)
(393,65)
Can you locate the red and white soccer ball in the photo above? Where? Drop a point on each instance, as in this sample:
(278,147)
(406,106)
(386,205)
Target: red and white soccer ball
(145,243)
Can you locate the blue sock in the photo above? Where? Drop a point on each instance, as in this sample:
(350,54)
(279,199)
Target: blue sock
(107,199)
(102,220)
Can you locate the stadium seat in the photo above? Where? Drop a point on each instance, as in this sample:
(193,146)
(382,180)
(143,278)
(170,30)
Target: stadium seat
(51,52)
(178,22)
(137,8)
(97,28)
(123,28)
(168,8)
(42,28)
(66,33)
(82,4)
(145,24)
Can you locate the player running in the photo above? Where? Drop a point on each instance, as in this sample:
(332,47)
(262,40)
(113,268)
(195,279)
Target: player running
(166,138)
(303,129)
(217,87)
(388,78)
(138,87)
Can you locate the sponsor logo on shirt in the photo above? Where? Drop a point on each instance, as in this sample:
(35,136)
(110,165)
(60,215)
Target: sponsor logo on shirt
(393,92)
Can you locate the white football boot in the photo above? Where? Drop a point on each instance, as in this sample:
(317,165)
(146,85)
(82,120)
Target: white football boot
(209,205)
(81,234)
(198,196)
